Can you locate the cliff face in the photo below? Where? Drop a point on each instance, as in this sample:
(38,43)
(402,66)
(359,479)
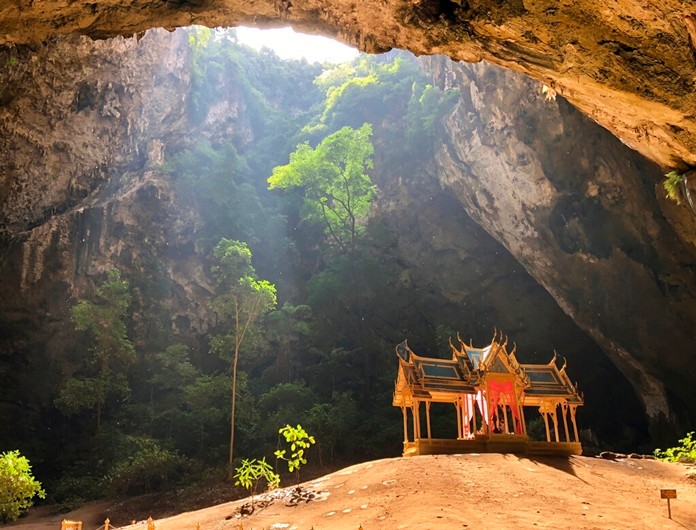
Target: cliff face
(559,203)
(629,65)
(83,128)
(579,212)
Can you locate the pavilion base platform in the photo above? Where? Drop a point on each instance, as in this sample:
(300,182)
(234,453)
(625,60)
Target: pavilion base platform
(514,444)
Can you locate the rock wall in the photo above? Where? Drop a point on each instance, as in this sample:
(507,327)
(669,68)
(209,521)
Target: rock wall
(579,211)
(629,65)
(82,126)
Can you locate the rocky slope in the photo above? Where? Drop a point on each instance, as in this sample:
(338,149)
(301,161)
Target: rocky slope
(629,65)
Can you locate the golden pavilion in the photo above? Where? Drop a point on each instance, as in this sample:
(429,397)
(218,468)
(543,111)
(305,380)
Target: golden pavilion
(490,391)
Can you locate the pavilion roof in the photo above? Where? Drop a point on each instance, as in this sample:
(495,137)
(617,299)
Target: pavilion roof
(428,378)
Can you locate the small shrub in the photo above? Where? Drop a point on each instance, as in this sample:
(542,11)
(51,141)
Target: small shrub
(299,441)
(18,486)
(684,453)
(74,489)
(672,185)
(251,472)
(149,468)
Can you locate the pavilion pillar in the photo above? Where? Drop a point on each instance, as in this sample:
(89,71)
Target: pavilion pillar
(523,421)
(468,415)
(554,417)
(416,419)
(427,418)
(418,407)
(505,415)
(573,410)
(564,409)
(486,415)
(405,415)
(458,411)
(546,424)
(472,403)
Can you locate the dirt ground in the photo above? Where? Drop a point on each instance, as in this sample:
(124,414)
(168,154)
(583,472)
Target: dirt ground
(448,492)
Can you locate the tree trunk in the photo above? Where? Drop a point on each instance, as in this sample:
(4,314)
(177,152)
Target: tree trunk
(230,467)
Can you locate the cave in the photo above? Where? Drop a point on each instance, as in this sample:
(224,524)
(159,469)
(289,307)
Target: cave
(545,217)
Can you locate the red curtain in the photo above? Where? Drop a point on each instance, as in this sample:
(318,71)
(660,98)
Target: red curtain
(498,389)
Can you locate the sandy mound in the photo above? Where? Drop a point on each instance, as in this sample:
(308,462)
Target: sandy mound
(487,491)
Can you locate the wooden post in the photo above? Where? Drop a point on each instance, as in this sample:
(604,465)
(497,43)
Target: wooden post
(106,524)
(466,418)
(473,415)
(427,417)
(546,424)
(405,414)
(458,412)
(573,410)
(564,409)
(668,494)
(554,417)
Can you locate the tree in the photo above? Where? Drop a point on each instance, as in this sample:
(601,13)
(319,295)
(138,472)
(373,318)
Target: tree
(112,352)
(338,191)
(18,486)
(244,299)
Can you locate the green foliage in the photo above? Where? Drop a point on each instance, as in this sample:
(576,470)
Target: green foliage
(147,468)
(18,487)
(684,453)
(299,441)
(103,374)
(241,296)
(283,403)
(334,424)
(338,191)
(172,369)
(75,488)
(200,425)
(219,183)
(250,472)
(672,184)
(392,93)
(366,91)
(288,330)
(426,107)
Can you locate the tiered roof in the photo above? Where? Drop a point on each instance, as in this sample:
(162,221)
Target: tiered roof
(443,379)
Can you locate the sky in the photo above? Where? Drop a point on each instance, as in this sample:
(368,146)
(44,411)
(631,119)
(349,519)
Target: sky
(288,44)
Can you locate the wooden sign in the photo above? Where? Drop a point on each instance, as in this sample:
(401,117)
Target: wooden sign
(668,494)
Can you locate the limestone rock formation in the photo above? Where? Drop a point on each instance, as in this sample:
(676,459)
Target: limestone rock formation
(590,231)
(629,65)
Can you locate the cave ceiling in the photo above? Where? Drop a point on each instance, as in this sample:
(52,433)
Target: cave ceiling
(629,65)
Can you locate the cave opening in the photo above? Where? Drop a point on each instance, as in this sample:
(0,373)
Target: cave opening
(185,145)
